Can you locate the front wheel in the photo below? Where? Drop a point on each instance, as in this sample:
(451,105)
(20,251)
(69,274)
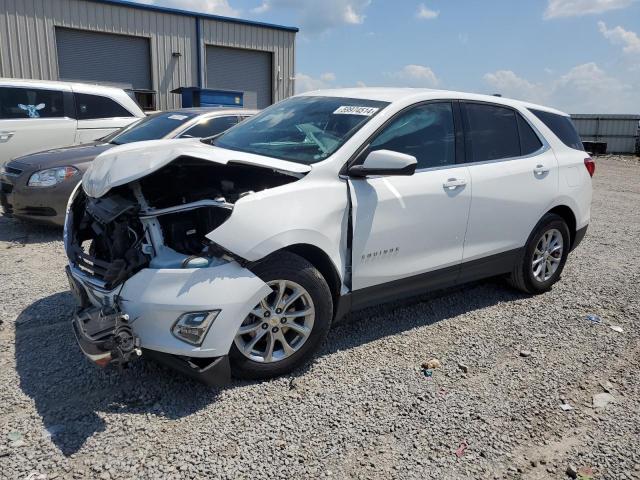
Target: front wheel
(287,327)
(544,256)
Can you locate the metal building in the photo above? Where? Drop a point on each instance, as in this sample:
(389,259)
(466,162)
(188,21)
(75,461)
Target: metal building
(608,133)
(150,50)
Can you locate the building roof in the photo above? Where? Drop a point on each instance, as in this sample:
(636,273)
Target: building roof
(605,116)
(177,11)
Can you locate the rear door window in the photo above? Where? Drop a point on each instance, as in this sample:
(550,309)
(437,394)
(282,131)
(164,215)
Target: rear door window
(92,107)
(562,127)
(529,141)
(34,103)
(209,127)
(491,132)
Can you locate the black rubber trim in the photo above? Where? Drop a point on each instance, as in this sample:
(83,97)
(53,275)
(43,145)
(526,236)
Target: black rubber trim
(486,267)
(215,374)
(580,234)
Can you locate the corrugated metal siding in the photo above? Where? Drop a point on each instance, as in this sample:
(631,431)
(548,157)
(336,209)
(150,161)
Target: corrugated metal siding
(28,43)
(242,70)
(123,60)
(620,132)
(279,42)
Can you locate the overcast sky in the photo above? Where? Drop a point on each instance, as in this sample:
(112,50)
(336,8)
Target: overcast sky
(581,56)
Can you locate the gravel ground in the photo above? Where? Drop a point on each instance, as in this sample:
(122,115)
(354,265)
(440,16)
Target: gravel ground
(364,408)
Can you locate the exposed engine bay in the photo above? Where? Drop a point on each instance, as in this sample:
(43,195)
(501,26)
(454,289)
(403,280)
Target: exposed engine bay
(160,220)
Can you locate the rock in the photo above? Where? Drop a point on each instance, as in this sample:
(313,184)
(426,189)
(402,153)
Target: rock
(431,364)
(616,328)
(293,384)
(533,463)
(18,443)
(566,407)
(601,400)
(13,436)
(607,386)
(572,471)
(463,367)
(525,353)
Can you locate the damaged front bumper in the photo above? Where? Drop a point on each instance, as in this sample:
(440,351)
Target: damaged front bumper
(148,305)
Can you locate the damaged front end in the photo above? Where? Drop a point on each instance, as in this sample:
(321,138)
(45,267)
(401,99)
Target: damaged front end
(140,261)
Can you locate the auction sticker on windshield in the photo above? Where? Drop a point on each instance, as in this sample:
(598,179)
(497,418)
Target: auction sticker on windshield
(355,110)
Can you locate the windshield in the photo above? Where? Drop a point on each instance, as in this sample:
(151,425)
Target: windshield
(301,129)
(153,127)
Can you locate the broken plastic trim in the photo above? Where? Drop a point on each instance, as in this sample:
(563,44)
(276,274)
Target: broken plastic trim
(152,213)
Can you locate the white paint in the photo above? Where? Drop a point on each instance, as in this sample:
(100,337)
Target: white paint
(403,225)
(35,133)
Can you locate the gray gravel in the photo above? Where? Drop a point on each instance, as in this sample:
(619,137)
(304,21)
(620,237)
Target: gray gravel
(364,408)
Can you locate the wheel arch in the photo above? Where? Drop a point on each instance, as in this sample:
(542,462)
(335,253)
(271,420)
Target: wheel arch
(567,214)
(320,260)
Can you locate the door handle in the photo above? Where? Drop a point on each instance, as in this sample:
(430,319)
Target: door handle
(540,170)
(453,183)
(6,136)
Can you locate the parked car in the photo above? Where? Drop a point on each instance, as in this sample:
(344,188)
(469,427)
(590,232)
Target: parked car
(237,255)
(37,115)
(37,187)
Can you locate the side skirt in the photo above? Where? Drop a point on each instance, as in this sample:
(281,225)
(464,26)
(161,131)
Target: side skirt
(466,272)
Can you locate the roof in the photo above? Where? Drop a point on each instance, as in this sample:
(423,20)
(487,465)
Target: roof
(188,13)
(390,94)
(58,84)
(212,111)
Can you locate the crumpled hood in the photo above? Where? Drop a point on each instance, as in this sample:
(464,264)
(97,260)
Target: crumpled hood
(126,163)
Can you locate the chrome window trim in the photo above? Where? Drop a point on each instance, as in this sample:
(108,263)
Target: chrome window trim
(540,151)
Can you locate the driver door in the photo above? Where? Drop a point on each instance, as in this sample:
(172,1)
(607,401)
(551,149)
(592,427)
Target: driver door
(408,231)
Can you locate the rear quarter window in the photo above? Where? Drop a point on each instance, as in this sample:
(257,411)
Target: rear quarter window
(562,127)
(91,107)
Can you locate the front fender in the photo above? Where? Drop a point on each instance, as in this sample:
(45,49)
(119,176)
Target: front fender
(309,211)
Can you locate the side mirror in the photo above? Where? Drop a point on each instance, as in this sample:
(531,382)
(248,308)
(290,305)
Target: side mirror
(385,162)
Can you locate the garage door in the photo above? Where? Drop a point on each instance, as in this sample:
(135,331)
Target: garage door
(247,71)
(120,60)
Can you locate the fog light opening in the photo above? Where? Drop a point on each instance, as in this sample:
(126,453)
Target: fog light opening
(192,327)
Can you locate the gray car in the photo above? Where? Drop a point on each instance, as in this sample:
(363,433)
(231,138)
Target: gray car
(37,187)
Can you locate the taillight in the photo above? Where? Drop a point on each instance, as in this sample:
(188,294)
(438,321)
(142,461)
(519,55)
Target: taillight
(591,166)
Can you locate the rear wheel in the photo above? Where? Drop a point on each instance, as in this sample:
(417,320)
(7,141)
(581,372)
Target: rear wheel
(544,256)
(287,327)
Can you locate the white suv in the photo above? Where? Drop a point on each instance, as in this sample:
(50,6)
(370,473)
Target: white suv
(40,115)
(239,252)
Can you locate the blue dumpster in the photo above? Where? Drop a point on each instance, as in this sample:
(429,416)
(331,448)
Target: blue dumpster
(206,97)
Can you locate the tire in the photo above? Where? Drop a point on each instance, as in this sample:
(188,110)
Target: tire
(296,275)
(524,276)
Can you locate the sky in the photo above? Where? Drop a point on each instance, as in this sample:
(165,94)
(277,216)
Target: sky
(580,56)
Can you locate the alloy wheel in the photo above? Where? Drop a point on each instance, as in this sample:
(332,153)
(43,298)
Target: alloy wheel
(547,255)
(279,325)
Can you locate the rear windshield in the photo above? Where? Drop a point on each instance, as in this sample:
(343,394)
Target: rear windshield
(562,127)
(153,127)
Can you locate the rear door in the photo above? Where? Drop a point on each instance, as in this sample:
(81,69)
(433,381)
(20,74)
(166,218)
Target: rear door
(99,116)
(408,231)
(34,119)
(515,178)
